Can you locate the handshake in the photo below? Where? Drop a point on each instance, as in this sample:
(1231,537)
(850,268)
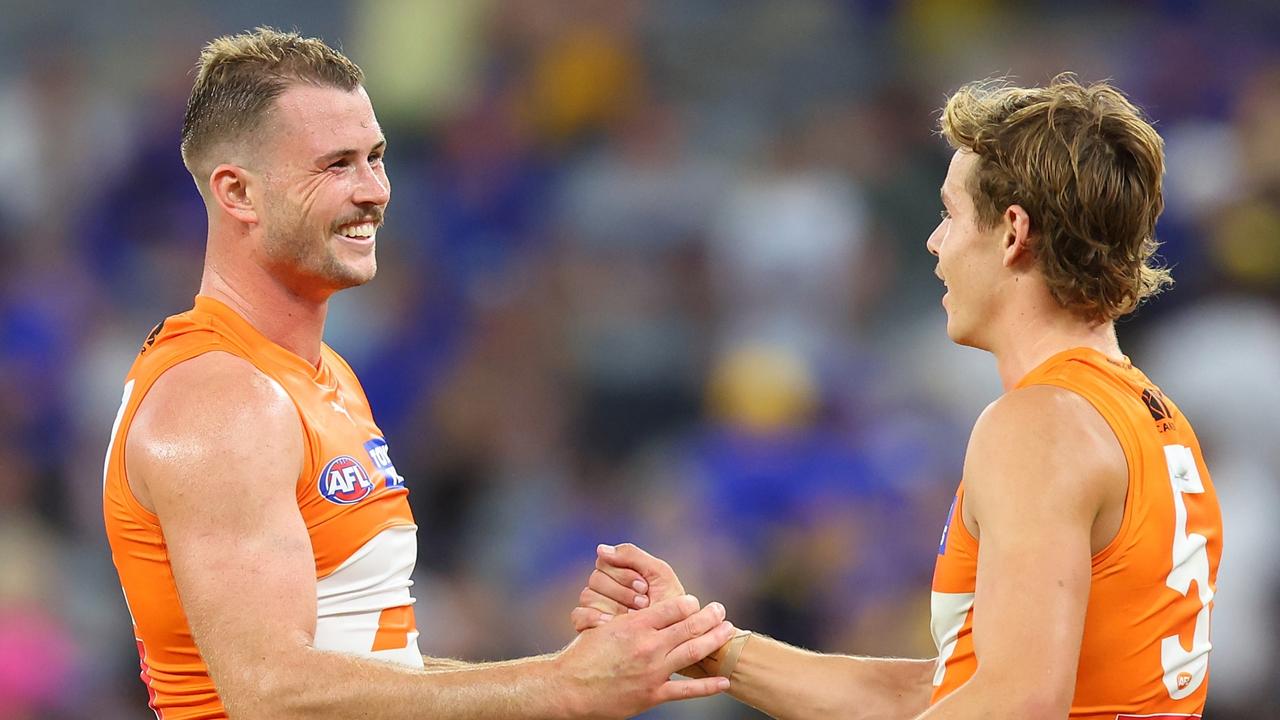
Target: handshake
(637,627)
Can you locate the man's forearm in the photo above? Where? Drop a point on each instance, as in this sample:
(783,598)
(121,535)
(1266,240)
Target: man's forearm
(437,664)
(789,683)
(325,685)
(1002,695)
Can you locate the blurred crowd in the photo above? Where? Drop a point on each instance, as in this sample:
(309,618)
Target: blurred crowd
(653,271)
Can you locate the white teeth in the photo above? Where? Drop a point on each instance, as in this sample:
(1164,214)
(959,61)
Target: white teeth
(359,231)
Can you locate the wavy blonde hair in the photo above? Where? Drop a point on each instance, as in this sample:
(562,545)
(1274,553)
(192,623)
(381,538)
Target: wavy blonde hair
(239,77)
(1087,167)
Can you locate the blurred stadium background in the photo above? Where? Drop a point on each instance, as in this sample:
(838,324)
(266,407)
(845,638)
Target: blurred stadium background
(653,271)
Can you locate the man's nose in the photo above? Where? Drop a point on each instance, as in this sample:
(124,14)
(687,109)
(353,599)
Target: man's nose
(935,240)
(374,187)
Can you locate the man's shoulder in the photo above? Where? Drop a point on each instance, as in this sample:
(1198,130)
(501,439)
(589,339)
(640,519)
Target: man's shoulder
(1044,412)
(214,404)
(211,384)
(1043,440)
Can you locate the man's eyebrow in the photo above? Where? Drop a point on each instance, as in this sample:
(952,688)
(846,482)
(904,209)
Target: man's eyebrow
(331,156)
(942,193)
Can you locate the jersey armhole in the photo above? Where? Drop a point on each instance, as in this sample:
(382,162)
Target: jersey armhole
(965,533)
(126,492)
(958,525)
(310,455)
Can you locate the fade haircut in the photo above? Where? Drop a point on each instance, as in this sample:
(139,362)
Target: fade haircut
(238,79)
(1086,166)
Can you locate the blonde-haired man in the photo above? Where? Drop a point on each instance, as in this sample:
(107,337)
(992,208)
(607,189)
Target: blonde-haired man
(260,529)
(1078,562)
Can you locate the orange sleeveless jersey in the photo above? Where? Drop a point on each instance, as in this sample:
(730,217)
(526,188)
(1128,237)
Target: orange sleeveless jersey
(1145,651)
(351,498)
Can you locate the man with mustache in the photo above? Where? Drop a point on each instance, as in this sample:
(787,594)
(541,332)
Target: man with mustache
(258,524)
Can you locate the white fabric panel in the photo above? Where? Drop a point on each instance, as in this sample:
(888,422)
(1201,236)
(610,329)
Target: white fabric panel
(350,600)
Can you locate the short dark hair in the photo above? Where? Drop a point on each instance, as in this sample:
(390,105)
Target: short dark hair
(239,77)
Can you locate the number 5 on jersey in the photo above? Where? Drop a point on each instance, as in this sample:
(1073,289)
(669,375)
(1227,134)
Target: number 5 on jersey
(1185,670)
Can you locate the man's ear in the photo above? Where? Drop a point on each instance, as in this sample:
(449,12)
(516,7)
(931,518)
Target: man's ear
(229,189)
(1016,242)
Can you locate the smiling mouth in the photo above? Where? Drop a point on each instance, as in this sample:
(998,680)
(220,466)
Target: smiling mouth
(358,232)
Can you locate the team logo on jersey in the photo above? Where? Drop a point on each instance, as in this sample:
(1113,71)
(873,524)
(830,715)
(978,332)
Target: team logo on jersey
(946,529)
(344,481)
(1184,679)
(381,458)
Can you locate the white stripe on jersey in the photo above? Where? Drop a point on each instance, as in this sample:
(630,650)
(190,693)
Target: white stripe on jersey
(350,600)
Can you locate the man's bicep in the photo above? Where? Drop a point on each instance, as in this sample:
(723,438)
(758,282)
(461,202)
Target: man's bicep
(218,448)
(1034,491)
(1029,605)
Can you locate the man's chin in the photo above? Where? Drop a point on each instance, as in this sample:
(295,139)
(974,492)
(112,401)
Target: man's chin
(959,335)
(355,278)
(339,277)
(353,272)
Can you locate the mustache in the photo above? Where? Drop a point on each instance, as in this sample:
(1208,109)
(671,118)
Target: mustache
(371,215)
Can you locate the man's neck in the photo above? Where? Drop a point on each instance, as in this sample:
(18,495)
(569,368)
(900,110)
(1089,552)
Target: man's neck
(293,322)
(1033,338)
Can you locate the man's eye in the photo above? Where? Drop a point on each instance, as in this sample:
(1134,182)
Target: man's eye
(944,214)
(375,159)
(339,163)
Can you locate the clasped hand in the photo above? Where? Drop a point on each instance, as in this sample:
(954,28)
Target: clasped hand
(626,579)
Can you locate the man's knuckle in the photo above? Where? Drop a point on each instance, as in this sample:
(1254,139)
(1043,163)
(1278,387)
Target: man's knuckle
(690,654)
(703,622)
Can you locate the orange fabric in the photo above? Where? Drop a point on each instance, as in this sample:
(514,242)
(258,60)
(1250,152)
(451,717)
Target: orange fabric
(394,626)
(1139,598)
(342,445)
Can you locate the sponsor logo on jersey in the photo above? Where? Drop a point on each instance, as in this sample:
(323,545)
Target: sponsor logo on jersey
(381,458)
(344,481)
(1155,404)
(151,337)
(1159,409)
(946,529)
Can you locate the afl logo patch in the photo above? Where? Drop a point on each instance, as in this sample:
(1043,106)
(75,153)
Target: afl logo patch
(344,481)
